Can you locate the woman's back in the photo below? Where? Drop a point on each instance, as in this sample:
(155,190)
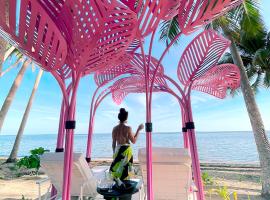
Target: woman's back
(121,134)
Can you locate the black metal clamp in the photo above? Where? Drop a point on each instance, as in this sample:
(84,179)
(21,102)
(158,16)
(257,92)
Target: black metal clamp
(59,150)
(88,160)
(184,129)
(190,125)
(148,127)
(70,124)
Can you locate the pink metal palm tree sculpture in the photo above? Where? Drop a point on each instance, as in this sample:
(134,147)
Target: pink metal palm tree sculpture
(149,15)
(73,38)
(203,75)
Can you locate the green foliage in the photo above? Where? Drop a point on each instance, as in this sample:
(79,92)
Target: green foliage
(223,193)
(169,30)
(32,161)
(38,151)
(207,179)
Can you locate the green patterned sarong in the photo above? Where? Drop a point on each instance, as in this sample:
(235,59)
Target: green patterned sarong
(122,162)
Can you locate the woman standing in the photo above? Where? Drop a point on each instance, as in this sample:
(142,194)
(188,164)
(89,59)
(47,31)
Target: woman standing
(121,137)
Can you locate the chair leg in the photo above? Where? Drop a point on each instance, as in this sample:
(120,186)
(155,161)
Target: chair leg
(81,194)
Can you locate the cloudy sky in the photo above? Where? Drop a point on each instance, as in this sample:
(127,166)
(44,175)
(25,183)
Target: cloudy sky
(210,114)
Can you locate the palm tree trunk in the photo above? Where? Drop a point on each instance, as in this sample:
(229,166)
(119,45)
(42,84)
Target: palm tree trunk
(3,46)
(256,121)
(15,149)
(11,93)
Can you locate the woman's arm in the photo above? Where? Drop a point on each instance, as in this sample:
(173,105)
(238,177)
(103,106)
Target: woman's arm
(134,138)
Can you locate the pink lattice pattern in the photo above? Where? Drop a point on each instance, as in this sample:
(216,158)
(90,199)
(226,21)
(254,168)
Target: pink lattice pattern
(33,31)
(218,80)
(64,72)
(201,55)
(124,86)
(99,31)
(138,61)
(132,65)
(150,12)
(193,14)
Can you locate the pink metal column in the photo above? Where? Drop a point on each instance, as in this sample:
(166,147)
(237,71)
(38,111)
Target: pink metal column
(61,129)
(194,152)
(90,128)
(70,126)
(184,129)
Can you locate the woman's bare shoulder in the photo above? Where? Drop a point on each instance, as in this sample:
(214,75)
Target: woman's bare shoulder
(114,128)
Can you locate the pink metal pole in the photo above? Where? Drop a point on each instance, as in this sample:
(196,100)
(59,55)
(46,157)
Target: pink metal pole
(68,159)
(184,129)
(196,164)
(61,129)
(194,151)
(90,128)
(150,195)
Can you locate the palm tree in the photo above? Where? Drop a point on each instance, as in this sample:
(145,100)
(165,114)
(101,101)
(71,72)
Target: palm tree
(14,152)
(255,53)
(11,94)
(244,21)
(3,47)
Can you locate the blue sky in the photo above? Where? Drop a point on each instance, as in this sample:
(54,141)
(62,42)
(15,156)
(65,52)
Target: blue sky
(210,114)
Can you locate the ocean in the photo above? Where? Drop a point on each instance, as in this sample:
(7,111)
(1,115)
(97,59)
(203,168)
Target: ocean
(233,147)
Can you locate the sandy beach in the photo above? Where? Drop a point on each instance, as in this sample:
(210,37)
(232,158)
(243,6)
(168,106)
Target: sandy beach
(243,179)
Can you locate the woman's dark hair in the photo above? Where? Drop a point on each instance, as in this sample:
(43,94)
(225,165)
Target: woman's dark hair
(123,115)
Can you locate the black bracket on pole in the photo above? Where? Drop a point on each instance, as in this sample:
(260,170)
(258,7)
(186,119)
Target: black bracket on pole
(70,124)
(148,127)
(184,129)
(58,150)
(190,125)
(88,160)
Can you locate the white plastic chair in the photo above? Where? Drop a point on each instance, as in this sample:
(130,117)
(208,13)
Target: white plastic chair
(171,173)
(83,184)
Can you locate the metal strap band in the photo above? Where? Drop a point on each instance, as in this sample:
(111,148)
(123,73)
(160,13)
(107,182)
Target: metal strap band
(70,125)
(148,127)
(190,125)
(88,160)
(58,150)
(184,129)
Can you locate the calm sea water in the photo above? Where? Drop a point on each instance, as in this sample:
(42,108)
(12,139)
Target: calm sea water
(213,146)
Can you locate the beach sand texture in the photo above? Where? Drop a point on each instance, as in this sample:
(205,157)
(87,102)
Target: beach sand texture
(239,178)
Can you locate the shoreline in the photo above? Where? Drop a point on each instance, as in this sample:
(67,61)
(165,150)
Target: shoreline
(202,163)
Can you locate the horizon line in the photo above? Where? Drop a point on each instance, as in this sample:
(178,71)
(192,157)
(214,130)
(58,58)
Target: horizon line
(160,132)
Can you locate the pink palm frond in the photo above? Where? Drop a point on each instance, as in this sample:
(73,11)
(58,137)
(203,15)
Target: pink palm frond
(33,32)
(130,65)
(102,39)
(193,14)
(218,80)
(124,86)
(85,35)
(65,72)
(201,55)
(150,12)
(132,4)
